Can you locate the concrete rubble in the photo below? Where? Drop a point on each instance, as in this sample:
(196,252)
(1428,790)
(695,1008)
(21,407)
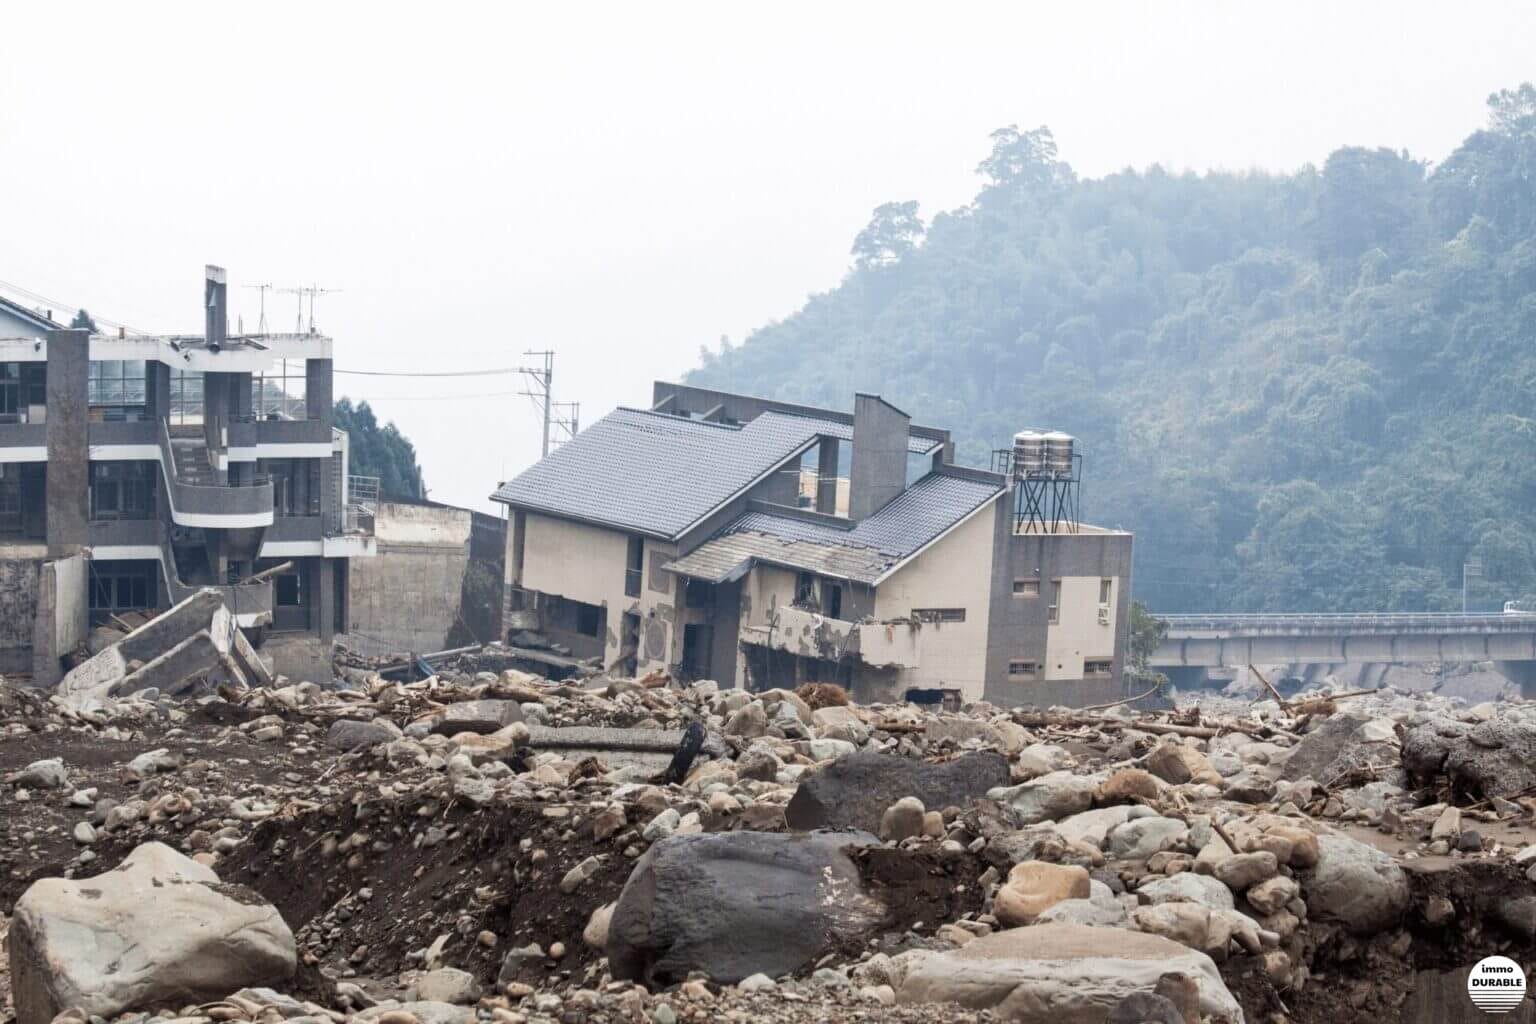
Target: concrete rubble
(497,846)
(194,641)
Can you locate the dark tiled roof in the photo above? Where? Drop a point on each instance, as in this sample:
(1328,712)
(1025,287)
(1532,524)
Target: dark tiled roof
(865,551)
(29,316)
(657,474)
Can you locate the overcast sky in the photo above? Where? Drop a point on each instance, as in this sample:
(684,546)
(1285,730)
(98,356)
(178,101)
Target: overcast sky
(624,183)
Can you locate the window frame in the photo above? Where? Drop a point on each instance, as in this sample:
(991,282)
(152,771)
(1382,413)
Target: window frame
(939,615)
(1021,669)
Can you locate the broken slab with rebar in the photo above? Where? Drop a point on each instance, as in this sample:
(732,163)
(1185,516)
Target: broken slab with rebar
(192,641)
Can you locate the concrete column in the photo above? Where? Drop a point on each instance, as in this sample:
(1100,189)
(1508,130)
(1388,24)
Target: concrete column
(157,388)
(826,475)
(877,471)
(318,389)
(69,467)
(325,599)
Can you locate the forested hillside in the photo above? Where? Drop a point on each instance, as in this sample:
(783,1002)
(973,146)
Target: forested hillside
(378,451)
(1312,391)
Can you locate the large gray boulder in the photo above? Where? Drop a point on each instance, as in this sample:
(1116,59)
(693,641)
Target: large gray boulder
(157,930)
(350,733)
(734,904)
(1049,798)
(854,791)
(1338,744)
(1495,758)
(1062,974)
(1356,885)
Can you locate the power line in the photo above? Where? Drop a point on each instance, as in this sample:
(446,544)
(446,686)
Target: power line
(425,373)
(438,398)
(56,304)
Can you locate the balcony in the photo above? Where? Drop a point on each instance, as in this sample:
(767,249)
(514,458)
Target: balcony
(216,505)
(19,435)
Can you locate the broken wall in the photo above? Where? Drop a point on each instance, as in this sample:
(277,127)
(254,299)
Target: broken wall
(18,612)
(62,620)
(953,573)
(588,564)
(407,596)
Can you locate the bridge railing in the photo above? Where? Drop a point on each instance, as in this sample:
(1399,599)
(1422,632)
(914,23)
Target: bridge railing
(1509,620)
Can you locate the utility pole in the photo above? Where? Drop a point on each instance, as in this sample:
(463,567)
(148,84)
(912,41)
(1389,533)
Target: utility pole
(541,381)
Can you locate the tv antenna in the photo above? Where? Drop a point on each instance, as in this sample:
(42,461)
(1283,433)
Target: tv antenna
(301,292)
(540,381)
(261,324)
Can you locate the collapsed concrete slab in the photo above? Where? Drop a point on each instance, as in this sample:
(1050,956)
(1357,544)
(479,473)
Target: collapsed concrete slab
(650,749)
(192,640)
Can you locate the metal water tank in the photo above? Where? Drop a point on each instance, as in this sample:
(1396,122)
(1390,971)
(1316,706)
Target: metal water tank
(1058,453)
(1028,453)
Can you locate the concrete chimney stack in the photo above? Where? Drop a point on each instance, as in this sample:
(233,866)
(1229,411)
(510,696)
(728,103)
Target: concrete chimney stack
(878,469)
(216,306)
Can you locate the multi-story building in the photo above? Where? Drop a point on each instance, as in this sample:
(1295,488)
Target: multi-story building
(765,544)
(173,463)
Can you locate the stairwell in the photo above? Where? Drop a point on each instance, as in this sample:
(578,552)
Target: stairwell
(192,464)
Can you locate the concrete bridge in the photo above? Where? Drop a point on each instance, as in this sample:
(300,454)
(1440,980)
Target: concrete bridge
(1209,641)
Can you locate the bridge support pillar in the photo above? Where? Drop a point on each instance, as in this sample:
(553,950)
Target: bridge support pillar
(1190,677)
(1521,673)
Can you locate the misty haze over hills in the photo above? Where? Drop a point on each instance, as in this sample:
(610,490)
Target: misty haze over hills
(1307,391)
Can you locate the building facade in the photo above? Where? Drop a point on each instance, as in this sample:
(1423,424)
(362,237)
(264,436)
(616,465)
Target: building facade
(763,544)
(175,463)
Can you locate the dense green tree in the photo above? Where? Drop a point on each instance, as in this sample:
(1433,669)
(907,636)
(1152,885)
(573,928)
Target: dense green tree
(1304,391)
(893,232)
(379,451)
(83,321)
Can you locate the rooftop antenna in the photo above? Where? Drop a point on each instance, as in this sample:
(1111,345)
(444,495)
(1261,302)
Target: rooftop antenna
(261,324)
(311,291)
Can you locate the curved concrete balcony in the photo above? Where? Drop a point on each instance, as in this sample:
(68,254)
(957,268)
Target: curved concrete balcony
(217,506)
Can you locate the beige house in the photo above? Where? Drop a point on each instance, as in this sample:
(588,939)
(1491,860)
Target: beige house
(726,537)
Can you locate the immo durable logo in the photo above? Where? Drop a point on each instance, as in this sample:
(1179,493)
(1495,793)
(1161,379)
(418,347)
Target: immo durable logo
(1496,984)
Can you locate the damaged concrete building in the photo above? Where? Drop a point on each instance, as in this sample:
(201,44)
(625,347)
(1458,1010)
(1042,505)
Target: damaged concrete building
(164,465)
(763,544)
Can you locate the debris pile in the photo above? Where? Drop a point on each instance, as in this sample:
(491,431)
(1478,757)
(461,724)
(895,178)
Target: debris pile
(495,845)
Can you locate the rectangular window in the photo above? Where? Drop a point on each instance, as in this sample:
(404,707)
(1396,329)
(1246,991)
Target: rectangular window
(186,396)
(1026,588)
(115,389)
(634,566)
(287,591)
(1097,668)
(279,392)
(1023,669)
(832,599)
(122,490)
(939,614)
(697,594)
(1053,613)
(805,590)
(10,499)
(10,393)
(122,586)
(1105,586)
(589,619)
